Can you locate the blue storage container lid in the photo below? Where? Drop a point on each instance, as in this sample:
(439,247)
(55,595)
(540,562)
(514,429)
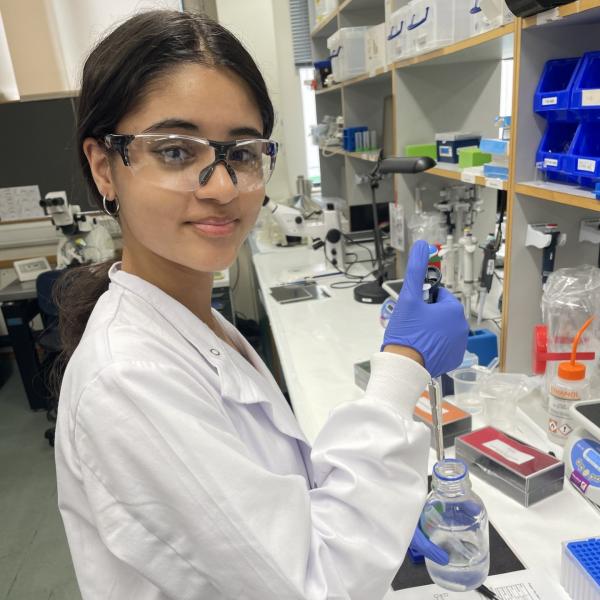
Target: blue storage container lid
(494,146)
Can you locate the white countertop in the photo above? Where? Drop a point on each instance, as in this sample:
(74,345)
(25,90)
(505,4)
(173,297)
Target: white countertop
(319,341)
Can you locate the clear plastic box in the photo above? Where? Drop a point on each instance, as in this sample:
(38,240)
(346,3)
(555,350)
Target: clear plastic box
(397,38)
(375,48)
(323,8)
(488,14)
(437,23)
(347,51)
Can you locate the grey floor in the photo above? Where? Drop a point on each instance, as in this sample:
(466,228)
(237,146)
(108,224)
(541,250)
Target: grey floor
(35,563)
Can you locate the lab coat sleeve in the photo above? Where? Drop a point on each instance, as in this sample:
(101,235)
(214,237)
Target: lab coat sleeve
(176,496)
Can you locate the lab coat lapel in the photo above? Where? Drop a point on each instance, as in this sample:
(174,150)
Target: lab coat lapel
(274,402)
(257,386)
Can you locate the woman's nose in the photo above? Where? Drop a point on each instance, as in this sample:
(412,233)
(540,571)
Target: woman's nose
(219,183)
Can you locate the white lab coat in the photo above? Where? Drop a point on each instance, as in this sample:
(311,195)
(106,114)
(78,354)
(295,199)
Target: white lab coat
(182,472)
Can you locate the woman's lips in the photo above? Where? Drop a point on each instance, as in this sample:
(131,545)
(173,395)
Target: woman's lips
(215,228)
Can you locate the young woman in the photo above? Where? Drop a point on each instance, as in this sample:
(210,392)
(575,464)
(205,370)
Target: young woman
(182,472)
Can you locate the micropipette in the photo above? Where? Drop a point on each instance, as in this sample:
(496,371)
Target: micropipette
(435,398)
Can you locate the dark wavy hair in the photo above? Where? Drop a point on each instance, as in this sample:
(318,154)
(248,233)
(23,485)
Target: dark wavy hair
(115,76)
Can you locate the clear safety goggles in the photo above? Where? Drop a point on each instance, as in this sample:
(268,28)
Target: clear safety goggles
(181,163)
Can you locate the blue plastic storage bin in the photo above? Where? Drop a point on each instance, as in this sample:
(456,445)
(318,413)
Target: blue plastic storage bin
(553,151)
(584,159)
(552,98)
(484,343)
(585,95)
(349,141)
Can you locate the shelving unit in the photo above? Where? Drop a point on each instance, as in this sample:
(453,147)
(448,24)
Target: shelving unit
(454,172)
(435,92)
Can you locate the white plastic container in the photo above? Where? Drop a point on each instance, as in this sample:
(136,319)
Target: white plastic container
(347,51)
(323,8)
(437,23)
(569,386)
(488,14)
(397,37)
(375,48)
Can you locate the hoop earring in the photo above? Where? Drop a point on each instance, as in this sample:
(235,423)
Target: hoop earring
(111,213)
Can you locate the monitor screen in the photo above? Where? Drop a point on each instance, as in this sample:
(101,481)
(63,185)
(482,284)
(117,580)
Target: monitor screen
(361,216)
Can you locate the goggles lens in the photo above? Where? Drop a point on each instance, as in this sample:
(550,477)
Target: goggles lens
(176,162)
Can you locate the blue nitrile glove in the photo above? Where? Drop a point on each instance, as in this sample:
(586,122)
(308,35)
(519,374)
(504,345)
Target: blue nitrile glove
(437,331)
(420,546)
(465,515)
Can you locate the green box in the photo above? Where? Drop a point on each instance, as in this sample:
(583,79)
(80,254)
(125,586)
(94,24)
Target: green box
(472,157)
(421,150)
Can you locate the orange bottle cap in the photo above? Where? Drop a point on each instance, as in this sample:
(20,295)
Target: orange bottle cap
(571,371)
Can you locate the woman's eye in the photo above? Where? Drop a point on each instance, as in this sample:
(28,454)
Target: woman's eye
(173,154)
(242,155)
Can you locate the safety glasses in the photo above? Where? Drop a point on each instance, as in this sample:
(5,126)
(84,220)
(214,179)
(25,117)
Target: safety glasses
(181,163)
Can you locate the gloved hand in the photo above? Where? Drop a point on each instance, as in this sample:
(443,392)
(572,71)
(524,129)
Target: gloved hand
(421,546)
(437,331)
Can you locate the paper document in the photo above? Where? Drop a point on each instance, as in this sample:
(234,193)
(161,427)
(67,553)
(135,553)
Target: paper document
(518,585)
(20,203)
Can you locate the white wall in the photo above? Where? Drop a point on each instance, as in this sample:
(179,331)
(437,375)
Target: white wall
(8,81)
(263,26)
(80,24)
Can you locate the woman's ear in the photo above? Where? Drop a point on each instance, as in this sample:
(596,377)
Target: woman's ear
(100,167)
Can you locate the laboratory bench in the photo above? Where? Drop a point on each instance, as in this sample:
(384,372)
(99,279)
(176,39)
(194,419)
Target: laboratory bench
(318,343)
(20,310)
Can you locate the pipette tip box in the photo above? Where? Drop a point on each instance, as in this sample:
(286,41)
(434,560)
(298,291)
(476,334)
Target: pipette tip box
(521,471)
(455,421)
(580,568)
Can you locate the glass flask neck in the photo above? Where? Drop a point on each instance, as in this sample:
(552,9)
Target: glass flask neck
(451,478)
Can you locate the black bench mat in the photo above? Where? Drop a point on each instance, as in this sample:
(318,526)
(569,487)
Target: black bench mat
(502,560)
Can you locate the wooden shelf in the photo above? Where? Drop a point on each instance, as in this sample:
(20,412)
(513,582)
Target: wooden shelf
(450,171)
(561,193)
(554,16)
(489,45)
(366,78)
(361,79)
(367,156)
(327,26)
(355,5)
(331,88)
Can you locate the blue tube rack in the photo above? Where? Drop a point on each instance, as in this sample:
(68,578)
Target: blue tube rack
(580,568)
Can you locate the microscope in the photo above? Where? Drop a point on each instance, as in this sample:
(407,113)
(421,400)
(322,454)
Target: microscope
(85,240)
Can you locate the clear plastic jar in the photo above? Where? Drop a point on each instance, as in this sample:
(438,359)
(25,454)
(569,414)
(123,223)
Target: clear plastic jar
(454,518)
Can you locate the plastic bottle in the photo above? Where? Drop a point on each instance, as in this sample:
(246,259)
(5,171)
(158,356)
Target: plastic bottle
(568,386)
(455,519)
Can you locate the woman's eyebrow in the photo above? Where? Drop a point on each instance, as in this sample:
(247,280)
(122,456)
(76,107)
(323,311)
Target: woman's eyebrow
(175,123)
(172,124)
(245,131)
